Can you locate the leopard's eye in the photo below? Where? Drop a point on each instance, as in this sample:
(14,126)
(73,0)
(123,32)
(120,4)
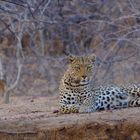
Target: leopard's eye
(77,67)
(89,67)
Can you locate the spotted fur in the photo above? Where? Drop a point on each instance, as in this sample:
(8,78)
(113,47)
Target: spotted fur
(75,84)
(111,97)
(77,94)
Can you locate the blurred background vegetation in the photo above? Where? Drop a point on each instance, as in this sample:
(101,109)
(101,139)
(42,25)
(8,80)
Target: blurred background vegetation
(36,35)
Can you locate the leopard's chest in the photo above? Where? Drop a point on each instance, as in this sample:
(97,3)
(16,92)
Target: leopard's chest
(74,95)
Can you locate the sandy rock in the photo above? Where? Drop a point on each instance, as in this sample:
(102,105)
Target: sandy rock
(23,119)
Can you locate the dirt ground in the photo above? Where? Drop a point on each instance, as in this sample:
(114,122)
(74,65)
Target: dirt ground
(21,105)
(33,118)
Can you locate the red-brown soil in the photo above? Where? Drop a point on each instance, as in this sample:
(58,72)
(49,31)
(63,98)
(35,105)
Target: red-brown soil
(33,118)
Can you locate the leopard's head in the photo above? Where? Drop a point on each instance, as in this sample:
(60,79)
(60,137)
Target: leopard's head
(80,70)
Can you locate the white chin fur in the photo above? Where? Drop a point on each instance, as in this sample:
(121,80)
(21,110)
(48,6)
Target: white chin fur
(84,82)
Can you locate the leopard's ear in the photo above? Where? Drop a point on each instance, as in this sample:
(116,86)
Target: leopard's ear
(92,57)
(71,58)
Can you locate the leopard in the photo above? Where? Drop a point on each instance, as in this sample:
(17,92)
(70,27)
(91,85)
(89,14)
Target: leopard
(75,84)
(112,97)
(78,95)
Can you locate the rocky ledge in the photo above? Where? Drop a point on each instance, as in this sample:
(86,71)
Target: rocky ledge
(34,119)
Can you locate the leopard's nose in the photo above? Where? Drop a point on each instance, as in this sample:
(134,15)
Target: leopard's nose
(84,76)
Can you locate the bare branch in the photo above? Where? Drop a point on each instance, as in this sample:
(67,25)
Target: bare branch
(1,68)
(9,89)
(15,3)
(18,77)
(7,26)
(37,7)
(45,7)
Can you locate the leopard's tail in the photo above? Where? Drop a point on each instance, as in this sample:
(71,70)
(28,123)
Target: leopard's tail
(134,95)
(133,90)
(134,102)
